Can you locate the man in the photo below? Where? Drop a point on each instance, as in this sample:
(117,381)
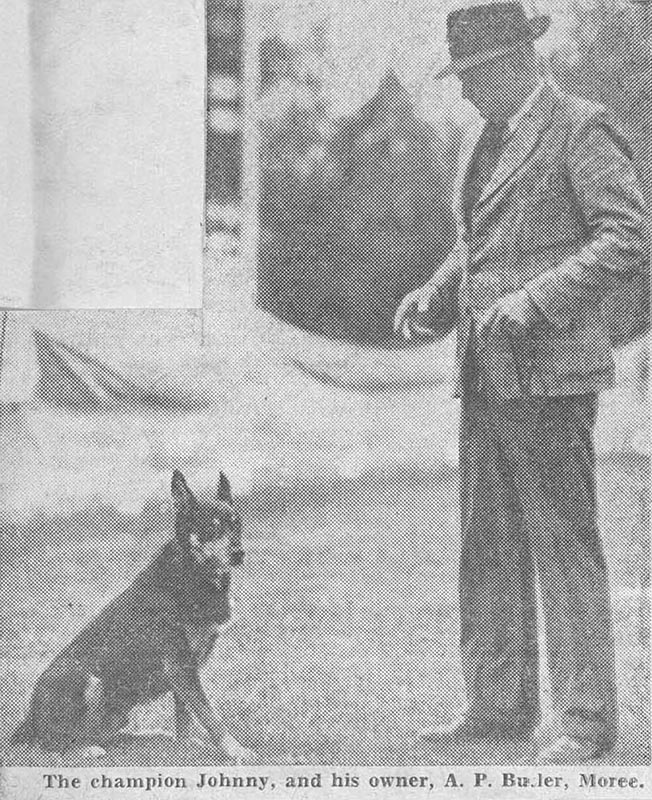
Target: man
(551,223)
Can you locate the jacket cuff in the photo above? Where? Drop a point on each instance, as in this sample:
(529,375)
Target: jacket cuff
(557,294)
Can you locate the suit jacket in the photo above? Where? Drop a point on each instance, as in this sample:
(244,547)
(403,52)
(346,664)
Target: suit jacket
(562,217)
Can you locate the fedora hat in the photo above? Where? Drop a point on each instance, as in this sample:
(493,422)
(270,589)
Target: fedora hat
(480,33)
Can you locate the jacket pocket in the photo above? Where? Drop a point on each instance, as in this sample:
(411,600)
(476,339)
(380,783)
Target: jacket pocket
(582,351)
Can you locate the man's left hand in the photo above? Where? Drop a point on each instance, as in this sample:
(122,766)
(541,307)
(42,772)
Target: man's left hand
(513,316)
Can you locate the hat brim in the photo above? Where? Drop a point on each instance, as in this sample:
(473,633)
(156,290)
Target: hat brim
(538,26)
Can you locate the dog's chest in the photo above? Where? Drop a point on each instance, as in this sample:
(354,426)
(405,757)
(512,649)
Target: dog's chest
(201,640)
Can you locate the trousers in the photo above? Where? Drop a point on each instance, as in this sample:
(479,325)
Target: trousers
(528,507)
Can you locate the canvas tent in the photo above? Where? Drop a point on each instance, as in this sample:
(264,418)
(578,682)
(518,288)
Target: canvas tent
(99,418)
(64,376)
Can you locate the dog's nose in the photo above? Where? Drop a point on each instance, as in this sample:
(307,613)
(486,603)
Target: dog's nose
(237,557)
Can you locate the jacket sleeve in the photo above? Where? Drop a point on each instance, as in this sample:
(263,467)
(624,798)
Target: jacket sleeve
(605,188)
(448,276)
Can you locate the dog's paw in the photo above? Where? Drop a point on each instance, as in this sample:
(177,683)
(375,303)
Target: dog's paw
(195,743)
(244,756)
(86,755)
(237,753)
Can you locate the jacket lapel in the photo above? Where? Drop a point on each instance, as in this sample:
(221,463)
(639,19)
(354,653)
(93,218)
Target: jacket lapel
(522,141)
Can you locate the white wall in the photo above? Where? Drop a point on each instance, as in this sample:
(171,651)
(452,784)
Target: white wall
(16,223)
(118,98)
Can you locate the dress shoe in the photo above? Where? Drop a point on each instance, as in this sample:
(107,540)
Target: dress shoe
(566,750)
(469,728)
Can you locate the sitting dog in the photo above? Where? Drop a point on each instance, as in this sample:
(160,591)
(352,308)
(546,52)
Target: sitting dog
(150,640)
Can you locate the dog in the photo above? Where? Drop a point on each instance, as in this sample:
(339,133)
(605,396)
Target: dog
(150,640)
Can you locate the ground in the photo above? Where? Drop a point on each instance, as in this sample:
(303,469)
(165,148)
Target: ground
(344,640)
(345,633)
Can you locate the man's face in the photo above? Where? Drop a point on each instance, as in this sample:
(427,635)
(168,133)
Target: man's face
(490,88)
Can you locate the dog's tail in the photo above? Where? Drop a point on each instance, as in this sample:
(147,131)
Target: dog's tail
(24,733)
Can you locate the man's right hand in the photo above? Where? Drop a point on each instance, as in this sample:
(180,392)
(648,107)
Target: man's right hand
(426,303)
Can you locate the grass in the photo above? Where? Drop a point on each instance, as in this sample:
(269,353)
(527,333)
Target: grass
(345,634)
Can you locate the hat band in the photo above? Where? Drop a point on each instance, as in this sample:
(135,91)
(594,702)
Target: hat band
(462,64)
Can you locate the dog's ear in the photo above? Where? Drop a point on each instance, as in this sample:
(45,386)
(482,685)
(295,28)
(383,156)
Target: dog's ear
(184,500)
(224,490)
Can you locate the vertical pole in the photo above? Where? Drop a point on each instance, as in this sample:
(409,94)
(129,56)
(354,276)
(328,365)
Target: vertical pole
(16,164)
(202,325)
(251,147)
(3,331)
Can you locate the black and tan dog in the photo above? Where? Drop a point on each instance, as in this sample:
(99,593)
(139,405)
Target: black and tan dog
(150,640)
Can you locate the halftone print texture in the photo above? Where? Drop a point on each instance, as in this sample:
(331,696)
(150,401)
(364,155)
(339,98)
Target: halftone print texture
(277,530)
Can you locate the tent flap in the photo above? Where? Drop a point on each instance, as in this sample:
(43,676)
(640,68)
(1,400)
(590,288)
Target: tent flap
(69,378)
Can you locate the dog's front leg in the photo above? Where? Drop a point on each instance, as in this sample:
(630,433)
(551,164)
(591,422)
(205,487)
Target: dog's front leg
(183,720)
(189,694)
(187,728)
(237,752)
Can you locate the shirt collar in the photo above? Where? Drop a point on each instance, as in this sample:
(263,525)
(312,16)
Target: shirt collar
(525,108)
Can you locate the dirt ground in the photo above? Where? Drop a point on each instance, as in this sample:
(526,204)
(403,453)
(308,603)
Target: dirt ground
(344,641)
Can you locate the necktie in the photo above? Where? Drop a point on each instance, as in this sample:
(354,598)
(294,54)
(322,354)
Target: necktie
(483,163)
